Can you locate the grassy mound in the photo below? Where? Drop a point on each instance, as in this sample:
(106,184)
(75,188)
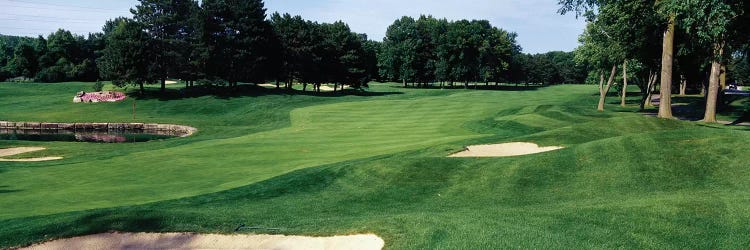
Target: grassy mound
(317,165)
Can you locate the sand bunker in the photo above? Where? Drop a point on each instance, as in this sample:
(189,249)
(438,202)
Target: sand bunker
(21,150)
(211,241)
(503,150)
(267,85)
(329,88)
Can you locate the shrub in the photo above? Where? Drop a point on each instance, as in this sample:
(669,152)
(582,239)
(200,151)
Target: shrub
(98,86)
(4,75)
(51,74)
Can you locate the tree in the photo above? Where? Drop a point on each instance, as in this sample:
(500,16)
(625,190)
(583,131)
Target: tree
(292,34)
(24,62)
(464,40)
(398,59)
(600,51)
(369,58)
(739,69)
(168,24)
(126,57)
(719,23)
(238,38)
(632,25)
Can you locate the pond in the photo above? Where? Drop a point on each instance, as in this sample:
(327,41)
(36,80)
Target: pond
(91,132)
(81,136)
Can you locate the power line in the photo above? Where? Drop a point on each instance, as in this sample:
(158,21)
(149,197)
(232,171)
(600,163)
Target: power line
(44,21)
(57,9)
(53,18)
(60,5)
(43,30)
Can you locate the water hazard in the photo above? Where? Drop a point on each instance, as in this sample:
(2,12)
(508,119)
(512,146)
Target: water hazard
(91,132)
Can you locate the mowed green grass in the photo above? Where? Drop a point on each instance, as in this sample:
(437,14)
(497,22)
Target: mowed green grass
(375,163)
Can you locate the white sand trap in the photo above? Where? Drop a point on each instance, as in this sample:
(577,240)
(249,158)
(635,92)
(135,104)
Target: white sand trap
(268,85)
(21,150)
(326,88)
(170,82)
(211,241)
(53,158)
(503,150)
(329,88)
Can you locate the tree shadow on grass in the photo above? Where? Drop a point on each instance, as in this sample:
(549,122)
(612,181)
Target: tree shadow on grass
(5,190)
(246,90)
(475,87)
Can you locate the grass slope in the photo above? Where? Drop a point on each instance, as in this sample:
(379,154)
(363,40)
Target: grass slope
(319,165)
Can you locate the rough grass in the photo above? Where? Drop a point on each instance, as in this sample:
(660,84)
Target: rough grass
(375,163)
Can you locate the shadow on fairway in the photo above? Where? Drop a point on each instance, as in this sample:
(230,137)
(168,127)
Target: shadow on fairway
(104,221)
(5,190)
(245,90)
(477,87)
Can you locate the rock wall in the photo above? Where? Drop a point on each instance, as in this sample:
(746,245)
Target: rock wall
(149,128)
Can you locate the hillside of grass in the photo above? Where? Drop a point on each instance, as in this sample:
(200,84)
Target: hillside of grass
(375,162)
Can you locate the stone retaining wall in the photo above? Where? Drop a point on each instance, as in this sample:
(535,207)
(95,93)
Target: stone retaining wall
(151,128)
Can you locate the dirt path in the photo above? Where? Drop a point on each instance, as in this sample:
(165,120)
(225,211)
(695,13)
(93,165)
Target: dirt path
(211,241)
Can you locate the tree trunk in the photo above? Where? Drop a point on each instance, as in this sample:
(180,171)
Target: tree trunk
(723,78)
(304,87)
(646,102)
(683,87)
(651,89)
(143,91)
(604,90)
(278,85)
(665,101)
(624,83)
(713,86)
(163,85)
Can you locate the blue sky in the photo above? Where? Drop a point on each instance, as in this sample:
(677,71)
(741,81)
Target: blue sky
(539,27)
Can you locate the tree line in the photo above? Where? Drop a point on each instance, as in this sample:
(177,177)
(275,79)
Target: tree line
(223,43)
(429,50)
(679,46)
(62,56)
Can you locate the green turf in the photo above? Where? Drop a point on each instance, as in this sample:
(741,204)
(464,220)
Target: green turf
(375,162)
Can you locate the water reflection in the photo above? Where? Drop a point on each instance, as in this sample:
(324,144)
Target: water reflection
(98,136)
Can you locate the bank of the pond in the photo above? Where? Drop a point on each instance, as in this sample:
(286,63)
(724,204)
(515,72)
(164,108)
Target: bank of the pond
(91,132)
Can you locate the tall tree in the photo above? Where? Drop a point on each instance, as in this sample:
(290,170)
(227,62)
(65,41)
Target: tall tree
(24,61)
(296,46)
(600,50)
(126,58)
(167,23)
(399,57)
(719,23)
(239,40)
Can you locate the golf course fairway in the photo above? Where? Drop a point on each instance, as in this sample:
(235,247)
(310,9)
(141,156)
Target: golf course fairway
(376,162)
